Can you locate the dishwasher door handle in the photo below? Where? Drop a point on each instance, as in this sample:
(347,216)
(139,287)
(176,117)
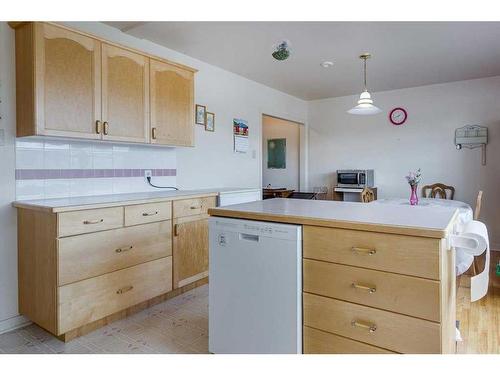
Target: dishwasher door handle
(249,237)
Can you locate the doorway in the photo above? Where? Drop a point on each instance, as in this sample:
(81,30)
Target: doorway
(281,153)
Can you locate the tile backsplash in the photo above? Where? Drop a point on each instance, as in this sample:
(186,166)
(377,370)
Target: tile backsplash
(48,168)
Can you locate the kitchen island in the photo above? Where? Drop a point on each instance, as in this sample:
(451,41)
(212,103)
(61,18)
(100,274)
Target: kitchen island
(375,279)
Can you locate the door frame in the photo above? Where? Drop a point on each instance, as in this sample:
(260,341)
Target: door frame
(303,147)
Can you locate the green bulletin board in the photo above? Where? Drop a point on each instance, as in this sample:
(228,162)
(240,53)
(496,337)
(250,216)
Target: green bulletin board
(276,153)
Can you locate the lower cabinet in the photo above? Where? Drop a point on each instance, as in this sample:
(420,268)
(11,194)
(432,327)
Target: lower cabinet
(190,249)
(80,269)
(95,298)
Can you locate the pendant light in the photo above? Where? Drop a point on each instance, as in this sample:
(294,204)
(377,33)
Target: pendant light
(365,103)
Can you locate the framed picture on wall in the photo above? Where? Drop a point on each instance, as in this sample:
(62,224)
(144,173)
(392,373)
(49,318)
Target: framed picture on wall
(200,114)
(210,122)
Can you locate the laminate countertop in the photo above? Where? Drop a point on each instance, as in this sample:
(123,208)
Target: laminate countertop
(112,200)
(425,221)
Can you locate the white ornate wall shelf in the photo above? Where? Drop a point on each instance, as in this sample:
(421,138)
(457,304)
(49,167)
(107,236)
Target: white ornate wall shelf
(472,136)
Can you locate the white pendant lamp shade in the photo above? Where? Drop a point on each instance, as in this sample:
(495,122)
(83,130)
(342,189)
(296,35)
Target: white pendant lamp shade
(365,103)
(365,106)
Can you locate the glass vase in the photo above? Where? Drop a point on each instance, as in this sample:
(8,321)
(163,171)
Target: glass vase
(413,196)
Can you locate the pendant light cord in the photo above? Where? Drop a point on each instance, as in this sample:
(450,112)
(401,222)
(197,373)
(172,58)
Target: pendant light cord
(365,71)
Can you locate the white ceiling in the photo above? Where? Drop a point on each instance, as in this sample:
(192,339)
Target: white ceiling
(405,54)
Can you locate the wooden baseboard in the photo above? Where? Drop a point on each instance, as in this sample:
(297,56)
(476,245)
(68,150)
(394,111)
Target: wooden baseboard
(70,335)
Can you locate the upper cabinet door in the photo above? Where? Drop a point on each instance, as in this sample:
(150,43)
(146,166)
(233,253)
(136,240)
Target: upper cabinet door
(172,104)
(125,95)
(68,83)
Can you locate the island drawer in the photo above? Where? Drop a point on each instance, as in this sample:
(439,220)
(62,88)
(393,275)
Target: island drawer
(148,213)
(408,255)
(92,299)
(88,221)
(90,255)
(320,342)
(196,206)
(399,333)
(403,294)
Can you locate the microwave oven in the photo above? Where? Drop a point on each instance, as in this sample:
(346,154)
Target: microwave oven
(355,178)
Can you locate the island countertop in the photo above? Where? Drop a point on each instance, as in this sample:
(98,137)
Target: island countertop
(434,222)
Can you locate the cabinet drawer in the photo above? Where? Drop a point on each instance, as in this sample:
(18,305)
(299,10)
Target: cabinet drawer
(92,299)
(403,294)
(87,221)
(94,254)
(407,255)
(148,213)
(196,206)
(319,342)
(399,333)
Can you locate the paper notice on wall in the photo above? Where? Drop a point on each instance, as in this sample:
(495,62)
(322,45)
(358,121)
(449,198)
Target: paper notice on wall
(240,134)
(241,144)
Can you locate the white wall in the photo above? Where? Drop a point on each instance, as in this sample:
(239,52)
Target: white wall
(8,228)
(288,177)
(338,140)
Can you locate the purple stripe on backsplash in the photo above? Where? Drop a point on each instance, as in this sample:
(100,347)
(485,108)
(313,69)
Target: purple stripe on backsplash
(48,174)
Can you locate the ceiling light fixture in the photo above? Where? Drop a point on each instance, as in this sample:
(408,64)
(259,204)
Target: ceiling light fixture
(327,64)
(282,50)
(365,103)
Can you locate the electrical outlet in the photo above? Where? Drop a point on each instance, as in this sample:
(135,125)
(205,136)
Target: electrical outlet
(148,173)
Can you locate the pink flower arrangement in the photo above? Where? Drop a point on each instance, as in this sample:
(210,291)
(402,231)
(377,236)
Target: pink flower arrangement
(414,178)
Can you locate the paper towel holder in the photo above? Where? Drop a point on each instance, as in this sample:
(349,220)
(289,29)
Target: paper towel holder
(472,136)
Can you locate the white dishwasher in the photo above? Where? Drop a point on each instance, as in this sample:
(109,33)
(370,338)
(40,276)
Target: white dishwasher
(255,287)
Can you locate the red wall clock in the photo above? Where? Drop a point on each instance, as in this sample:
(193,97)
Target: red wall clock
(398,116)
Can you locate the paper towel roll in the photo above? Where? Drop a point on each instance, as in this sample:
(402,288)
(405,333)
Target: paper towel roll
(474,240)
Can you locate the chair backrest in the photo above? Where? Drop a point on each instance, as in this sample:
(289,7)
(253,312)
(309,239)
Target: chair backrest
(367,195)
(477,210)
(438,191)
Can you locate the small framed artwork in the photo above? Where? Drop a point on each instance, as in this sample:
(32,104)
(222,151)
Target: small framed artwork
(201,112)
(210,122)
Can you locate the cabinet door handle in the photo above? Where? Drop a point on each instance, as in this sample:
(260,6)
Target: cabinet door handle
(360,250)
(125,289)
(123,249)
(369,289)
(150,213)
(176,230)
(98,127)
(153,133)
(105,125)
(367,325)
(87,222)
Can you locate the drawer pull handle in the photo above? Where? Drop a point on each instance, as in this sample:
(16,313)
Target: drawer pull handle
(87,222)
(195,207)
(123,249)
(369,289)
(360,250)
(150,213)
(124,289)
(369,326)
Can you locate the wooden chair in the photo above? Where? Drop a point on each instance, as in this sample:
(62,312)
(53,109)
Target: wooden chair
(367,195)
(438,191)
(477,210)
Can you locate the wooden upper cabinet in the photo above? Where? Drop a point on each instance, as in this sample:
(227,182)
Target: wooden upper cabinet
(125,95)
(68,82)
(172,104)
(71,84)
